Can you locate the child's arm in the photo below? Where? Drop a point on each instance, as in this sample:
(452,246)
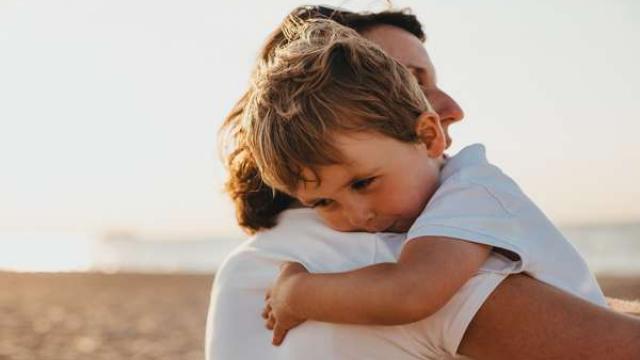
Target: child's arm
(428,273)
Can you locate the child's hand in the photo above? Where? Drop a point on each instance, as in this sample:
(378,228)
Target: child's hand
(277,312)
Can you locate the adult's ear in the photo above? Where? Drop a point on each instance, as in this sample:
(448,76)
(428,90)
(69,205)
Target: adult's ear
(429,131)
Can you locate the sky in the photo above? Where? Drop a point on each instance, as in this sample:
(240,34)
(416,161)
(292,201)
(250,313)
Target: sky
(109,109)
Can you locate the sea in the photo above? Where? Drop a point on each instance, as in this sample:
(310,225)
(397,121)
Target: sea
(609,249)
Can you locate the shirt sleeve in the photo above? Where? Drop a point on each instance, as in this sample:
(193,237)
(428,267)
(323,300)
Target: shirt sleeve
(447,327)
(474,212)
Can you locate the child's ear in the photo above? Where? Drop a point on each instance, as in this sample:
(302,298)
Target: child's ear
(429,131)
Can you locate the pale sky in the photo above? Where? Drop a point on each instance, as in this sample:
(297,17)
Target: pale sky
(109,109)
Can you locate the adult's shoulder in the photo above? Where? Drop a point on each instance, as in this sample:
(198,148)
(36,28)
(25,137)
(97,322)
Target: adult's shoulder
(471,175)
(301,236)
(298,232)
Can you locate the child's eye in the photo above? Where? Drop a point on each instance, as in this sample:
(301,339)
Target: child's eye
(362,184)
(321,203)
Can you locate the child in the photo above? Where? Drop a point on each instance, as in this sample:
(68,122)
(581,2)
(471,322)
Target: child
(336,123)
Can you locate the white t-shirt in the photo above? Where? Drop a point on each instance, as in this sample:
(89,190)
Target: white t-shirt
(235,329)
(477,202)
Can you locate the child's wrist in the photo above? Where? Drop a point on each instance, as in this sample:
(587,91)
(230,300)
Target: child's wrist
(295,294)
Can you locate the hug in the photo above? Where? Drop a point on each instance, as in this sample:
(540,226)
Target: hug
(370,240)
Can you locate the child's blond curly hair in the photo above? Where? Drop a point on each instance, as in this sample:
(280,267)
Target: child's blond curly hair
(324,79)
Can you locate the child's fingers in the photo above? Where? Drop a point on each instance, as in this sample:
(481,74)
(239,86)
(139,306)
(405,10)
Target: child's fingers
(271,322)
(266,311)
(278,335)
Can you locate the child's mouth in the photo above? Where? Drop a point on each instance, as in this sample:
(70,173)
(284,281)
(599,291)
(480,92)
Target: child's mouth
(390,228)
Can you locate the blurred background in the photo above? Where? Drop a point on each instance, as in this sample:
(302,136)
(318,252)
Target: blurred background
(110,174)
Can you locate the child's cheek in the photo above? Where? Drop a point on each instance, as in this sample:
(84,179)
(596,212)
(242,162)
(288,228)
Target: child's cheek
(334,220)
(408,203)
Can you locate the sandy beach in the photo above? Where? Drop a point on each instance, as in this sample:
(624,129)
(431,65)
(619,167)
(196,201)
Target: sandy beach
(100,316)
(124,316)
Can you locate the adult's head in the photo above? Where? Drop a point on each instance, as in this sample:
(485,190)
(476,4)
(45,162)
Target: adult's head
(399,33)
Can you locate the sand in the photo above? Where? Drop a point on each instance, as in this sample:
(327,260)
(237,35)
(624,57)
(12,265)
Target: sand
(124,316)
(98,316)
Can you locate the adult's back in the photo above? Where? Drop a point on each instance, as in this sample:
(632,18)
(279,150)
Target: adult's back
(235,329)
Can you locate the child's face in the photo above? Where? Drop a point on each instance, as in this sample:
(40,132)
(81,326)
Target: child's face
(383,185)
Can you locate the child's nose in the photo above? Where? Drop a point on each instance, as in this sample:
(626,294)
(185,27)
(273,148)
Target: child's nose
(360,218)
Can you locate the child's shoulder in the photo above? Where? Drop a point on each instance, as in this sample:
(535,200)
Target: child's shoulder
(469,175)
(470,165)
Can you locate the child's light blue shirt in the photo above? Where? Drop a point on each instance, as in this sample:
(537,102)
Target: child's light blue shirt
(477,202)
